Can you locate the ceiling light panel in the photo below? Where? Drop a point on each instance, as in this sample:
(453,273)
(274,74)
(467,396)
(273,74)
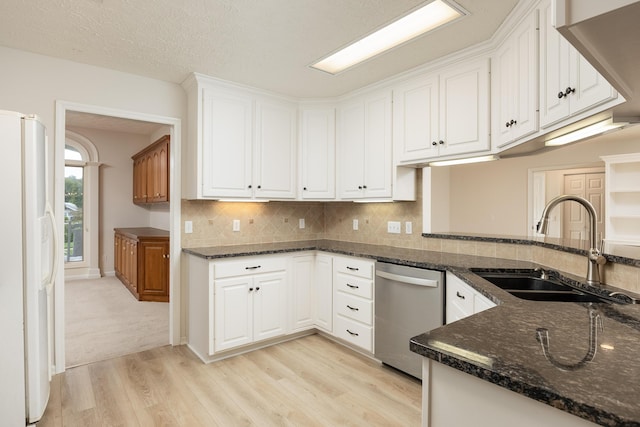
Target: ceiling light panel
(422,20)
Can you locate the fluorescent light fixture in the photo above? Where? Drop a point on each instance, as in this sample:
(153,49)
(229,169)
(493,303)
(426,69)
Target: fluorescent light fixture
(585,132)
(468,160)
(430,16)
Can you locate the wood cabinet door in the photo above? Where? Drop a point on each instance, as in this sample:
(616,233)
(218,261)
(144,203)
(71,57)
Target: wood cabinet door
(233,312)
(154,270)
(140,180)
(162,173)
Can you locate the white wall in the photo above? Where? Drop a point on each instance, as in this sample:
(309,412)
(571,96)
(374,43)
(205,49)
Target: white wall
(492,198)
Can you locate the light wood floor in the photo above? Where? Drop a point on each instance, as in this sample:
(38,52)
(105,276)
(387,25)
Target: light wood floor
(310,381)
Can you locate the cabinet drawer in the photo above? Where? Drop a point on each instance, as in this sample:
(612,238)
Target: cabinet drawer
(353,266)
(460,295)
(354,307)
(353,285)
(354,332)
(244,266)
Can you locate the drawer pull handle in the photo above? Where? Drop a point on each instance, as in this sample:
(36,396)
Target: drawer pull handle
(353,308)
(459,296)
(252,268)
(353,268)
(353,333)
(353,286)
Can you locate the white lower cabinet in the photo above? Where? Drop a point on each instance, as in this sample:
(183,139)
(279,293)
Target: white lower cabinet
(251,307)
(323,292)
(353,301)
(462,300)
(302,292)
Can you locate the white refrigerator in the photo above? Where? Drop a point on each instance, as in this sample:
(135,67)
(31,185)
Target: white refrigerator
(27,269)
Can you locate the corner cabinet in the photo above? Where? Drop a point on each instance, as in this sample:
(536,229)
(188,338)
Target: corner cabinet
(141,261)
(568,83)
(242,144)
(622,220)
(442,114)
(462,300)
(365,147)
(151,173)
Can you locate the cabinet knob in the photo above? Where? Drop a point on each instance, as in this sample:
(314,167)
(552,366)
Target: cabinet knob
(250,289)
(364,186)
(569,91)
(441,142)
(304,188)
(359,187)
(257,288)
(511,123)
(249,186)
(259,187)
(434,143)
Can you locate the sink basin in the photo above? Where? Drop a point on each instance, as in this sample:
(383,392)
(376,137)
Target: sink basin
(528,285)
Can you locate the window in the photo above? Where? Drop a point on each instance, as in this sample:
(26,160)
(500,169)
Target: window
(74,184)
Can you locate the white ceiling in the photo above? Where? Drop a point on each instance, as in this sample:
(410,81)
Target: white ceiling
(75,119)
(263,43)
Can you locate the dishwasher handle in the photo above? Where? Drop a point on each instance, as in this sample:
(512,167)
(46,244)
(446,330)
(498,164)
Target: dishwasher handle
(407,279)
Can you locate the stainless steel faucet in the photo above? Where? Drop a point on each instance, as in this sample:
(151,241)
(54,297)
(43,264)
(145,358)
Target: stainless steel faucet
(595,256)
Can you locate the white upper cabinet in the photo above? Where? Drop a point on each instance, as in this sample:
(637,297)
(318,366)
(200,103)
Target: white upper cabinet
(568,83)
(364,147)
(241,144)
(415,119)
(464,108)
(515,84)
(442,114)
(275,150)
(317,153)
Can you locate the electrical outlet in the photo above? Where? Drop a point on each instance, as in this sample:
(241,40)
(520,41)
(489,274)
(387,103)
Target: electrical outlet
(355,224)
(393,227)
(188,227)
(408,227)
(236,225)
(301,223)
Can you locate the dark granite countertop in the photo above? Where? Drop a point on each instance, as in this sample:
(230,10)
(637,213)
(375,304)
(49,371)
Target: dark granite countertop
(500,345)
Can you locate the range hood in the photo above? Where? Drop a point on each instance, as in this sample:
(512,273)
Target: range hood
(607,34)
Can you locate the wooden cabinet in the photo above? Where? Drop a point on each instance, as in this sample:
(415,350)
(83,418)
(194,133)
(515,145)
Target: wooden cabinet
(353,296)
(515,84)
(462,300)
(442,114)
(364,147)
(151,173)
(141,258)
(568,83)
(249,301)
(317,153)
(622,218)
(242,144)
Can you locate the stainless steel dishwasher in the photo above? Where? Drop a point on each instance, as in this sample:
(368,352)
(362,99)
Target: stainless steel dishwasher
(408,302)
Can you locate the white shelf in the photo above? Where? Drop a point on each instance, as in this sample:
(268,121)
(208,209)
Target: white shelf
(622,218)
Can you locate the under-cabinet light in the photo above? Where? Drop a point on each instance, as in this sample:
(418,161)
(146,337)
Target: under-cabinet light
(465,161)
(586,132)
(428,17)
(243,200)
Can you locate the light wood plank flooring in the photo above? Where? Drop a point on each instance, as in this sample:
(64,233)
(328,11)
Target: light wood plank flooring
(311,381)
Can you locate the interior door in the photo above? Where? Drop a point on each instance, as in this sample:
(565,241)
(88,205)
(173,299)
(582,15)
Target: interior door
(574,219)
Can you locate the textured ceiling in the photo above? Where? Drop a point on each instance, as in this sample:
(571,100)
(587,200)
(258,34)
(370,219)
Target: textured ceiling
(263,43)
(96,121)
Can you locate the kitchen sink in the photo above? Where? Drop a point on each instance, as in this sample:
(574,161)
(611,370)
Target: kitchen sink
(529,285)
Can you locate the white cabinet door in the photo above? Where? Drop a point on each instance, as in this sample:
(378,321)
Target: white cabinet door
(464,108)
(515,77)
(302,292)
(317,153)
(415,119)
(365,151)
(462,300)
(323,292)
(351,149)
(275,150)
(269,305)
(378,147)
(568,83)
(226,129)
(233,312)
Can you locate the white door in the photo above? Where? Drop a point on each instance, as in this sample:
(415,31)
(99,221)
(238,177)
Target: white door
(591,88)
(415,119)
(464,108)
(275,155)
(226,144)
(377,146)
(575,224)
(269,306)
(351,150)
(302,292)
(233,312)
(318,146)
(323,292)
